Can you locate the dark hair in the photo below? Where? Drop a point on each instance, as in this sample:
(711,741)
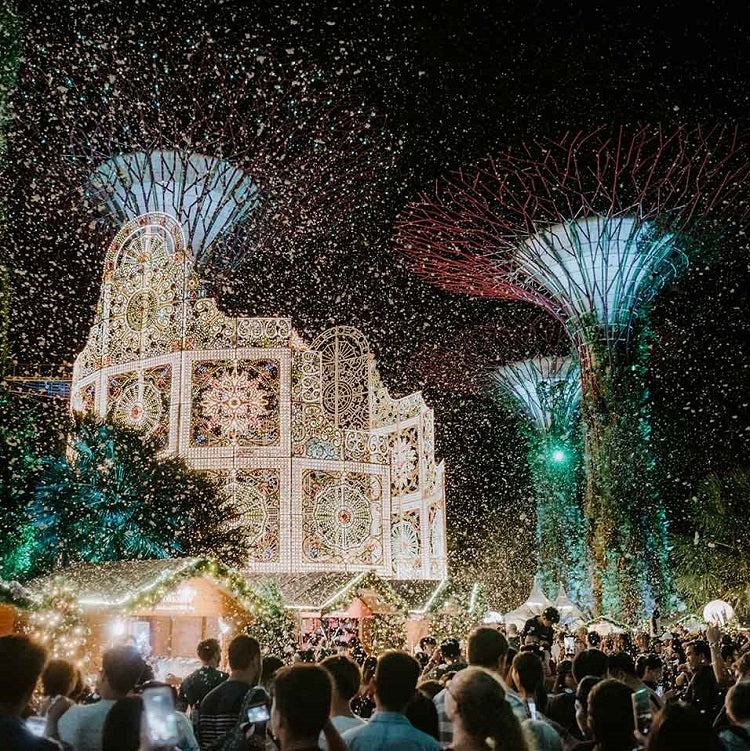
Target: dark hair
(268,668)
(450,647)
(480,702)
(208,649)
(594,638)
(564,669)
(345,675)
(551,614)
(427,641)
(583,689)
(21,662)
(421,712)
(700,647)
(621,662)
(680,726)
(243,649)
(647,662)
(589,662)
(396,679)
(487,647)
(59,678)
(530,672)
(738,701)
(122,725)
(611,713)
(727,650)
(368,669)
(123,667)
(302,696)
(430,688)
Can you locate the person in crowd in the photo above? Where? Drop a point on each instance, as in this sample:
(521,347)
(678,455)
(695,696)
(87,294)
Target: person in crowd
(21,664)
(561,705)
(610,716)
(195,686)
(488,649)
(593,640)
(650,669)
(620,665)
(300,709)
(421,712)
(544,735)
(450,654)
(724,654)
(345,677)
(589,662)
(187,739)
(269,666)
(430,688)
(528,681)
(538,630)
(80,725)
(510,655)
(583,691)
(59,678)
(736,737)
(703,690)
(122,729)
(221,707)
(427,645)
(680,727)
(394,684)
(513,637)
(477,707)
(624,643)
(363,704)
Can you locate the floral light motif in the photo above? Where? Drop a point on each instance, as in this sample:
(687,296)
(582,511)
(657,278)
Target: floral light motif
(404,462)
(235,403)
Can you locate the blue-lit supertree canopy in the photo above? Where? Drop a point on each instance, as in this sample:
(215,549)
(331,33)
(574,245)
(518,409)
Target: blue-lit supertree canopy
(590,228)
(208,196)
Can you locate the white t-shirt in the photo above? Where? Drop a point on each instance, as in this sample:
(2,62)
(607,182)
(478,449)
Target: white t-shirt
(81,726)
(342,723)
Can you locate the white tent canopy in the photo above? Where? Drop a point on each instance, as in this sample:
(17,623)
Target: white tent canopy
(534,605)
(605,626)
(570,613)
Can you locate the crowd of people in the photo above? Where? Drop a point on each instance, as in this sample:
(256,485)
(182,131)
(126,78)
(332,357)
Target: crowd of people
(538,688)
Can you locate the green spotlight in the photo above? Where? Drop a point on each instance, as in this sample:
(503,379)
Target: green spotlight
(558,456)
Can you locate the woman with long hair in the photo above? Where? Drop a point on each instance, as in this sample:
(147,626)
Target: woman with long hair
(475,704)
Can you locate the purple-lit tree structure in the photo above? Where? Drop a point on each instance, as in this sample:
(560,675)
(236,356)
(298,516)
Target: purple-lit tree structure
(590,228)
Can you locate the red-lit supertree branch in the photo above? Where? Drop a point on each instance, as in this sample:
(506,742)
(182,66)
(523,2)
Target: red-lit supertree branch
(317,156)
(590,228)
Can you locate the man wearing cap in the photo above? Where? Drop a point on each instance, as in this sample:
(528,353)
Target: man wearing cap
(538,630)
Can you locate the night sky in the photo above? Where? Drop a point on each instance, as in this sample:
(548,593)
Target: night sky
(454,81)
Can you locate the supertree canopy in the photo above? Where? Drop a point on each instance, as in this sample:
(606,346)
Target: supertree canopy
(590,228)
(546,390)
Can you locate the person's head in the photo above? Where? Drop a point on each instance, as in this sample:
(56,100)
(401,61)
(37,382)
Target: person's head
(244,658)
(512,629)
(395,680)
(487,648)
(269,665)
(593,639)
(527,673)
(368,670)
(209,652)
(589,662)
(741,667)
(301,703)
(729,654)
(475,703)
(680,726)
(611,715)
(564,678)
(422,714)
(345,675)
(430,688)
(620,665)
(650,668)
(550,616)
(737,702)
(508,669)
(21,664)
(122,668)
(122,725)
(450,648)
(427,644)
(546,738)
(623,642)
(697,654)
(583,690)
(59,678)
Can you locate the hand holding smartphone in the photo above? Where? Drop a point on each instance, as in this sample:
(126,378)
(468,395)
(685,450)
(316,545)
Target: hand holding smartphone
(161,718)
(642,712)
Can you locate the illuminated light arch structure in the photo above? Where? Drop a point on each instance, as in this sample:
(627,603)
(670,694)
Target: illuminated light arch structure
(547,393)
(590,228)
(330,471)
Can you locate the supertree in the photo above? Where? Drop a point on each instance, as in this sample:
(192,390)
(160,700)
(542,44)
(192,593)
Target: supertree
(275,155)
(590,228)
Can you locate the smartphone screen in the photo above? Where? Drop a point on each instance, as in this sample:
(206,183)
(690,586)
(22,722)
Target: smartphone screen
(161,718)
(532,710)
(36,725)
(642,711)
(570,644)
(258,713)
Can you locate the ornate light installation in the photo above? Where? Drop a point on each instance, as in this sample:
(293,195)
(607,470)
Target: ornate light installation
(547,393)
(590,228)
